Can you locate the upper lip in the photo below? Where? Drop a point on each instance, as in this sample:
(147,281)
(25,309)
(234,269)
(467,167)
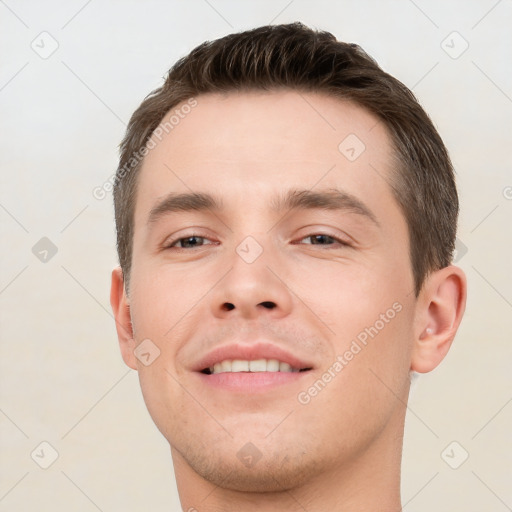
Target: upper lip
(250,352)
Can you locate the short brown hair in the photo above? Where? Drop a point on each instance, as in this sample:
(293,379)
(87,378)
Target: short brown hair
(296,57)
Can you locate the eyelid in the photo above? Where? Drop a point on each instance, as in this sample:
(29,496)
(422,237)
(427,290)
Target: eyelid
(336,238)
(338,235)
(169,241)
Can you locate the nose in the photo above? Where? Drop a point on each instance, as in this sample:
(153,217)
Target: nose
(251,289)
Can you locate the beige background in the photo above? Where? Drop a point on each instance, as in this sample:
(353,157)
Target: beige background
(62,378)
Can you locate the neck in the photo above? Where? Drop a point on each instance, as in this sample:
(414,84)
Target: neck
(369,482)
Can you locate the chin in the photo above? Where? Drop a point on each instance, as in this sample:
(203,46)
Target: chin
(270,475)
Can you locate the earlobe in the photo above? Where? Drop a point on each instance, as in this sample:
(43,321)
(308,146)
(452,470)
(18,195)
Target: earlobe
(121,309)
(439,312)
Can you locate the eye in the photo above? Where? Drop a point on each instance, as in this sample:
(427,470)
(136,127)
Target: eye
(191,241)
(187,242)
(323,239)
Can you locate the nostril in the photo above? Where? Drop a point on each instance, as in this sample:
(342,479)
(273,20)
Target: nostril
(227,306)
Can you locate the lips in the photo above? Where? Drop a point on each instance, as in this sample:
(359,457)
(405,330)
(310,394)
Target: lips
(242,353)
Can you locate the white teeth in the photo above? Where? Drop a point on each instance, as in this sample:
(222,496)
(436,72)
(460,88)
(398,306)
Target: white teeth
(285,367)
(239,366)
(272,365)
(226,366)
(258,365)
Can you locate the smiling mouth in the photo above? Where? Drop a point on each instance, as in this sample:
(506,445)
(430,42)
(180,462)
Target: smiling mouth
(253,366)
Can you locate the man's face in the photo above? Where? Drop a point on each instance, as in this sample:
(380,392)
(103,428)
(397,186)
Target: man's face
(327,290)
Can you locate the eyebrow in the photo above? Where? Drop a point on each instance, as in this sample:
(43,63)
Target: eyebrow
(330,199)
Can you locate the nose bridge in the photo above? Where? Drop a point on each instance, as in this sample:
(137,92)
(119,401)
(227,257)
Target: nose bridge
(252,285)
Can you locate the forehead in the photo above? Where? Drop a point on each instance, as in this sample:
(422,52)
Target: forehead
(249,145)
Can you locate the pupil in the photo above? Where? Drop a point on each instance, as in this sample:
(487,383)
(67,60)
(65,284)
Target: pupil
(320,237)
(188,240)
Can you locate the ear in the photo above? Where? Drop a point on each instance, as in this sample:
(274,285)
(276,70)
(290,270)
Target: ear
(439,311)
(121,309)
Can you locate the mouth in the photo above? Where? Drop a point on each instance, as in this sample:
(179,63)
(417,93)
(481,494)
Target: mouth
(252,366)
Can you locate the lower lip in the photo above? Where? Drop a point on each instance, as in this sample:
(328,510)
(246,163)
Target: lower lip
(247,382)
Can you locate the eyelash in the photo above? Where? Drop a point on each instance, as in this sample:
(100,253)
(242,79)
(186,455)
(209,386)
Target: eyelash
(172,242)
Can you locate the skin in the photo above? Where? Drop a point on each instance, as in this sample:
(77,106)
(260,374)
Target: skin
(341,450)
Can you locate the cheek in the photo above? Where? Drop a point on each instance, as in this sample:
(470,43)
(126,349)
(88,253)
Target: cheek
(379,351)
(162,297)
(370,317)
(348,295)
(366,379)
(165,399)
(374,332)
